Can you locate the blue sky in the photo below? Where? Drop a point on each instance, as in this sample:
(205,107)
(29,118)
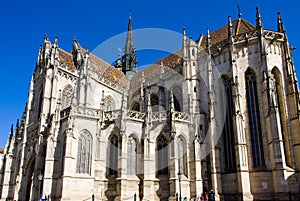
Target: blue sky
(23,24)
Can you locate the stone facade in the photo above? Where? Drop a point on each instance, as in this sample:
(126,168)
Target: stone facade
(222,113)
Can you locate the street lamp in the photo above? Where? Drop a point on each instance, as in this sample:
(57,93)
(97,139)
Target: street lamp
(179,179)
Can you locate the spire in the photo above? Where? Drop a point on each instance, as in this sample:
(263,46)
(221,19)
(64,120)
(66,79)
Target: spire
(279,23)
(239,12)
(129,59)
(258,19)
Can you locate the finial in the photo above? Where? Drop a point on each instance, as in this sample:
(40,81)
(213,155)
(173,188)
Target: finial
(130,13)
(258,19)
(184,31)
(11,131)
(280,26)
(239,11)
(17,124)
(74,39)
(56,40)
(171,100)
(230,29)
(208,42)
(46,37)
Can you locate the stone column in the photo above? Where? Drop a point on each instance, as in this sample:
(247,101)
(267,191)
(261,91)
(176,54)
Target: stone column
(149,171)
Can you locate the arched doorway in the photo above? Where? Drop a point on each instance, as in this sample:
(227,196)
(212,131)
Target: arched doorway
(30,177)
(162,172)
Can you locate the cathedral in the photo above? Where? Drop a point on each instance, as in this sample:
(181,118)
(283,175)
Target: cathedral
(222,113)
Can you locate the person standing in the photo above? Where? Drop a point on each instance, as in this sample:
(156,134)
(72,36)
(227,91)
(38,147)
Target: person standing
(211,195)
(205,196)
(43,196)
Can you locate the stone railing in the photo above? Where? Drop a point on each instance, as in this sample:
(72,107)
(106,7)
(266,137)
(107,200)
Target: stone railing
(159,116)
(180,116)
(112,115)
(135,115)
(87,111)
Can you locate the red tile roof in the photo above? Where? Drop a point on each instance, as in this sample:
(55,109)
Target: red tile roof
(1,150)
(171,63)
(66,59)
(239,26)
(101,67)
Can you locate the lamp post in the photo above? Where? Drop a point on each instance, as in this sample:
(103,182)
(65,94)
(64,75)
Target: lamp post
(40,178)
(179,178)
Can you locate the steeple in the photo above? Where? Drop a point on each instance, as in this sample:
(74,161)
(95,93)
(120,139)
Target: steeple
(129,59)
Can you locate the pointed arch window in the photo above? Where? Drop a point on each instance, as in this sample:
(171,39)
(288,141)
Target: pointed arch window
(66,97)
(154,99)
(84,153)
(109,104)
(254,120)
(40,104)
(63,153)
(176,104)
(182,157)
(135,106)
(113,155)
(162,155)
(228,134)
(131,156)
(177,97)
(279,103)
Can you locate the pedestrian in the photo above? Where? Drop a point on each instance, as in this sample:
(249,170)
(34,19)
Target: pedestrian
(205,196)
(211,195)
(43,196)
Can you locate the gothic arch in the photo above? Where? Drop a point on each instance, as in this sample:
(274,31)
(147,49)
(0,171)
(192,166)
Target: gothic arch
(177,97)
(162,151)
(109,103)
(132,154)
(40,103)
(182,155)
(84,152)
(254,121)
(281,106)
(113,154)
(66,96)
(154,100)
(228,131)
(135,106)
(27,184)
